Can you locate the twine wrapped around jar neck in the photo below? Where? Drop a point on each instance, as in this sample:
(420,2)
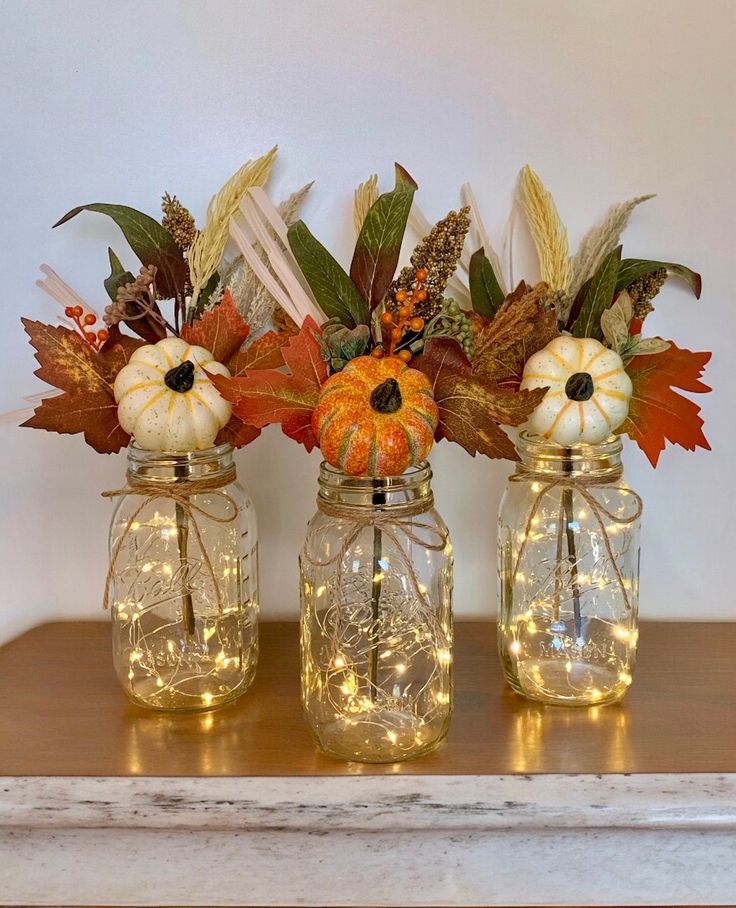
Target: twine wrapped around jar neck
(582,484)
(393,524)
(181,493)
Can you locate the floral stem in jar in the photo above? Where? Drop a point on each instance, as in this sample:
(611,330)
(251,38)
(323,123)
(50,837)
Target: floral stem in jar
(379,498)
(182,539)
(572,555)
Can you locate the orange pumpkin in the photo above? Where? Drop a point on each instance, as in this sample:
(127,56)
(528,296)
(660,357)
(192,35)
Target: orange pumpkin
(375,418)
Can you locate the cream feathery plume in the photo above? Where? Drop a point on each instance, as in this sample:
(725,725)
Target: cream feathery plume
(548,231)
(601,240)
(363,198)
(268,232)
(254,302)
(481,237)
(206,251)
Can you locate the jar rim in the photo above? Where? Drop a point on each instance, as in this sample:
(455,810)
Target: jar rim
(381,492)
(540,455)
(528,441)
(144,456)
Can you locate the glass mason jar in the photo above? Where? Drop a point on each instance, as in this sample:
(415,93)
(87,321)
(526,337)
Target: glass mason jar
(183,580)
(568,566)
(376,620)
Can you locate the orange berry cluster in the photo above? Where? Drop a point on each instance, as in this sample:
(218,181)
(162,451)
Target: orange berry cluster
(395,324)
(84,322)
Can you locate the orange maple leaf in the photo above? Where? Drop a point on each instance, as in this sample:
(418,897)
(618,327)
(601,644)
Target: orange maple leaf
(220,330)
(658,414)
(88,404)
(264,396)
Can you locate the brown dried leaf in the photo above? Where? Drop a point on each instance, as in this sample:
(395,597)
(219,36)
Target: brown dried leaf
(88,404)
(522,325)
(471,408)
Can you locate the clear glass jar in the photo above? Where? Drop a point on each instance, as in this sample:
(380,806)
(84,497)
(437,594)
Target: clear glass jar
(183,585)
(568,566)
(376,620)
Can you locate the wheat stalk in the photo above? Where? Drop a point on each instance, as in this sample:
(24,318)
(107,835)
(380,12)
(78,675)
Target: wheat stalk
(364,197)
(206,251)
(548,231)
(601,240)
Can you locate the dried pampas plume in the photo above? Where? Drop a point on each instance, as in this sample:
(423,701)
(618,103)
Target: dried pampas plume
(365,196)
(548,231)
(254,302)
(601,240)
(207,249)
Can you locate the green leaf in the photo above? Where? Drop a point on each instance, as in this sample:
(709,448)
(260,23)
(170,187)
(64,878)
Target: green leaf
(151,243)
(598,298)
(379,242)
(118,276)
(485,292)
(335,293)
(632,269)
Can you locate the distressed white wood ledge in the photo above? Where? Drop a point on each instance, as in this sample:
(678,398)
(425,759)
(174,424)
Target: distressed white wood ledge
(393,840)
(693,801)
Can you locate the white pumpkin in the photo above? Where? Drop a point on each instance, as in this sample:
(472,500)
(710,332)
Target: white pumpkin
(589,391)
(165,400)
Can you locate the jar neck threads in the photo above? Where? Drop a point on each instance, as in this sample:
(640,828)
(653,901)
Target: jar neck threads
(413,490)
(602,461)
(210,464)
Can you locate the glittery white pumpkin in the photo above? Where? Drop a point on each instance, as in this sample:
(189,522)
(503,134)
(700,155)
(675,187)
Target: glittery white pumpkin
(589,391)
(165,400)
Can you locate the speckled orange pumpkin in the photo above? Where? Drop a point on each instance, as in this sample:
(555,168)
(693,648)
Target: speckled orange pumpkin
(375,418)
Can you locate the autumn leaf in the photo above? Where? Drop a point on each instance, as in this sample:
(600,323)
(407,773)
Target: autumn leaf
(379,242)
(116,338)
(657,413)
(521,326)
(264,396)
(237,433)
(88,404)
(220,330)
(149,240)
(471,408)
(263,353)
(485,292)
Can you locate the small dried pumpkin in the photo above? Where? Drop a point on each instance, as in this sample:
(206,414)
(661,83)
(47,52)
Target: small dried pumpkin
(589,391)
(165,400)
(375,418)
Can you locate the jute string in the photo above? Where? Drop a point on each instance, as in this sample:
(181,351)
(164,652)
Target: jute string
(584,486)
(181,494)
(393,524)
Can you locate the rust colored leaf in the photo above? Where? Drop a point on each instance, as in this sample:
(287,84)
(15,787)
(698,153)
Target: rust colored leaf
(220,330)
(470,407)
(657,413)
(521,326)
(263,353)
(237,433)
(87,405)
(264,396)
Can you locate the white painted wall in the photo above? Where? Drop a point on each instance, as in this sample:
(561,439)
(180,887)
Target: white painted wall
(119,101)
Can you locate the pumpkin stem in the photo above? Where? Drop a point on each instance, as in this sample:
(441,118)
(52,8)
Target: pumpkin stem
(579,386)
(181,377)
(386,397)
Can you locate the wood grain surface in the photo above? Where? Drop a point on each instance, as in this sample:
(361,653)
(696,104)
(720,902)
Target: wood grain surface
(63,713)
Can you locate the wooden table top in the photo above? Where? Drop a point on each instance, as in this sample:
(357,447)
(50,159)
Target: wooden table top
(62,713)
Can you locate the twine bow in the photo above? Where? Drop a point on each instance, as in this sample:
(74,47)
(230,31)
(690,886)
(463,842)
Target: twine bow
(583,485)
(181,494)
(392,524)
